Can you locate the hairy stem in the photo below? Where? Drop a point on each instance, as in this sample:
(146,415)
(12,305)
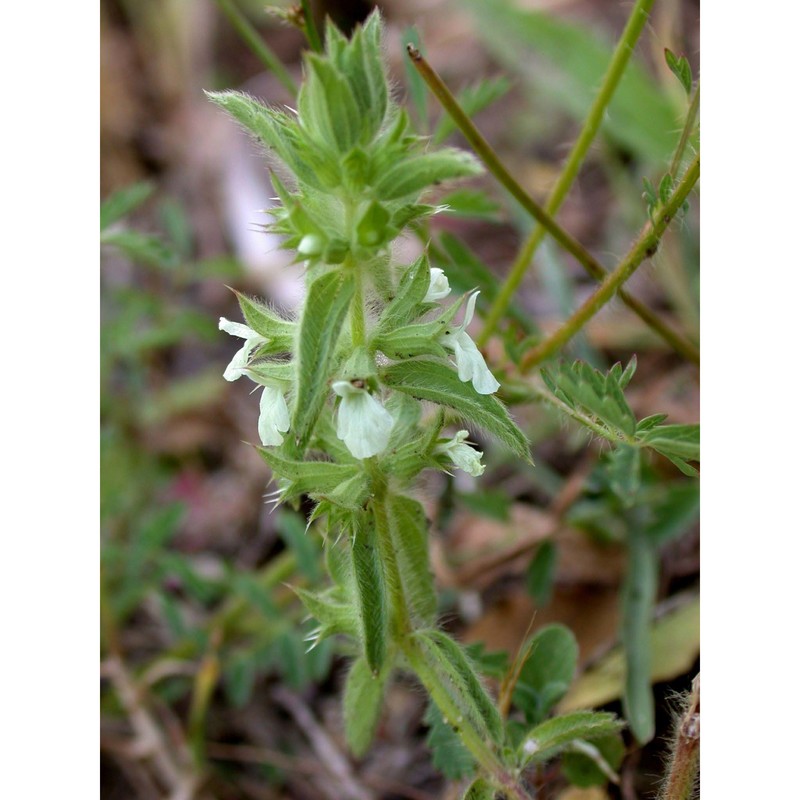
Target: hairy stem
(471,738)
(643,248)
(490,159)
(257,44)
(681,782)
(616,69)
(688,127)
(358,327)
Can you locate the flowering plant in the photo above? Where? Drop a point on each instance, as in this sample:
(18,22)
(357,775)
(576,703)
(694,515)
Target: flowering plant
(344,411)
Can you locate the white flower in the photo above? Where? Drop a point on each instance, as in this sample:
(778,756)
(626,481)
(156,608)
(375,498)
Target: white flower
(439,286)
(462,455)
(273,418)
(364,425)
(469,361)
(235,369)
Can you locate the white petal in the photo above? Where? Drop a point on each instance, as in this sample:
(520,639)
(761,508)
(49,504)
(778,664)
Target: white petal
(364,425)
(235,369)
(468,459)
(470,312)
(472,366)
(462,455)
(274,417)
(439,286)
(237,329)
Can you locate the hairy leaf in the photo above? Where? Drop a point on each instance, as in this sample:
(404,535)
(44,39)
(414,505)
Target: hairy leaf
(363,700)
(429,380)
(371,591)
(409,529)
(547,673)
(548,738)
(323,316)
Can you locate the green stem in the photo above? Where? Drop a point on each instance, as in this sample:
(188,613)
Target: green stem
(358,325)
(472,740)
(257,44)
(688,127)
(312,34)
(616,69)
(643,248)
(485,152)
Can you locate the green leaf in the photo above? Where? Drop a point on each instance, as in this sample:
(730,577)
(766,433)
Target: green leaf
(665,188)
(594,763)
(469,691)
(277,131)
(361,63)
(293,531)
(466,272)
(450,757)
(323,316)
(428,380)
(122,202)
(547,673)
(307,477)
(472,99)
(412,340)
(674,640)
(265,322)
(141,247)
(411,292)
(594,394)
(624,471)
(370,591)
(239,677)
(409,177)
(675,512)
(566,62)
(328,110)
(541,572)
(544,741)
(680,69)
(681,441)
(409,531)
(363,700)
(471,204)
(333,616)
(479,789)
(488,503)
(372,229)
(638,598)
(417,90)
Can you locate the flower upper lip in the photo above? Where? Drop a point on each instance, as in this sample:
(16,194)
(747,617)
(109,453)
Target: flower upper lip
(469,361)
(364,425)
(237,365)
